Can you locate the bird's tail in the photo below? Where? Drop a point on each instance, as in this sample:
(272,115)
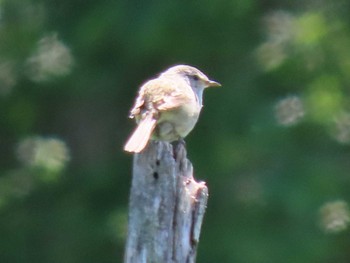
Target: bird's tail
(138,140)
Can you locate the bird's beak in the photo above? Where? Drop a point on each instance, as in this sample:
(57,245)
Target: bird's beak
(212,83)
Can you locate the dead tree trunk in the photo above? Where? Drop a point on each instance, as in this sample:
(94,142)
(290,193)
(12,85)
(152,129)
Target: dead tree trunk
(166,207)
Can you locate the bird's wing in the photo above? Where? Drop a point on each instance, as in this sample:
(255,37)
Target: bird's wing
(159,95)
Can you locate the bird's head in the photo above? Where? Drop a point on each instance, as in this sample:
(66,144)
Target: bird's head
(196,78)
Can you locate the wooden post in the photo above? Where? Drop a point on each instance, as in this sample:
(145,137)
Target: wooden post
(166,207)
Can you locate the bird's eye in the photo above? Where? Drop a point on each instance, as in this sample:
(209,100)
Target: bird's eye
(195,77)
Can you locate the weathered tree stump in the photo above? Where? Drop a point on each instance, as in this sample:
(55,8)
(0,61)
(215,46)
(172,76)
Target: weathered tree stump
(166,207)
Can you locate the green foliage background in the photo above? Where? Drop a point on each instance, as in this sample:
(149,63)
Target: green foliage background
(272,143)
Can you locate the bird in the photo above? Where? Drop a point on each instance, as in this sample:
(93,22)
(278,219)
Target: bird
(167,107)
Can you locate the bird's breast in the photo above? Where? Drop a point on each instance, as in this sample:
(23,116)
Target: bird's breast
(178,122)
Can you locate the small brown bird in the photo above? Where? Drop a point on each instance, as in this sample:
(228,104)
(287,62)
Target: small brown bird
(167,108)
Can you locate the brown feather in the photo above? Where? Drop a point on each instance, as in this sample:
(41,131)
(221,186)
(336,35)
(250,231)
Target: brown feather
(140,137)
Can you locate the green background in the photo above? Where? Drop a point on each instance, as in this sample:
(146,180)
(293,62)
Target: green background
(272,143)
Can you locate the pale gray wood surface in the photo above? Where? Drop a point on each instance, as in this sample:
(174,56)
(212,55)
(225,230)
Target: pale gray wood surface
(166,207)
